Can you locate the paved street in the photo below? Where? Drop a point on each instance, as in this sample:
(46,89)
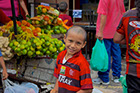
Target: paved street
(112,87)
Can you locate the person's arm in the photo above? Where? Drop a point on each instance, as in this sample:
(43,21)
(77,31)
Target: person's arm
(85,91)
(24,7)
(55,90)
(4,73)
(119,38)
(99,35)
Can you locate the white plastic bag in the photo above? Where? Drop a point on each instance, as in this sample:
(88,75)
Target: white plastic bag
(16,88)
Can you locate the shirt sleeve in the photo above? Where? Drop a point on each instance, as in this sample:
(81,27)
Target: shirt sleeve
(120,28)
(86,82)
(103,7)
(3,18)
(0,54)
(69,23)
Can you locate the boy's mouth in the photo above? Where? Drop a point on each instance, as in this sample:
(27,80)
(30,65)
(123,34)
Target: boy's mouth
(71,50)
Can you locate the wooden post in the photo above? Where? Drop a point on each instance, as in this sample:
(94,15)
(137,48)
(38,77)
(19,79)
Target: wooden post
(129,5)
(132,4)
(14,17)
(73,9)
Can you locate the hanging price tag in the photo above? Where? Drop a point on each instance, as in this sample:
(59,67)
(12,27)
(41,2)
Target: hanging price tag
(77,13)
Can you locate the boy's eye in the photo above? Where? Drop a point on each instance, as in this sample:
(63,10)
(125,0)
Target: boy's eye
(70,41)
(78,43)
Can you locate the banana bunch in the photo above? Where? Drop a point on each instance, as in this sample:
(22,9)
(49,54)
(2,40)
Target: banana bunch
(5,49)
(25,36)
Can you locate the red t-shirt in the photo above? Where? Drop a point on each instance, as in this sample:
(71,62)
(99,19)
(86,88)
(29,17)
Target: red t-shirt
(130,28)
(3,18)
(74,74)
(66,17)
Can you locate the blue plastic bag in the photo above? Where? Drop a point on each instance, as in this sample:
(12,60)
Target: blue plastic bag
(11,87)
(31,85)
(99,57)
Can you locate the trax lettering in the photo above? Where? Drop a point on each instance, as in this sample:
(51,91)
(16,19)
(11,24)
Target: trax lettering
(64,80)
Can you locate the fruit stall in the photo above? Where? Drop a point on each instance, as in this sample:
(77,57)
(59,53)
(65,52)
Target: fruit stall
(30,47)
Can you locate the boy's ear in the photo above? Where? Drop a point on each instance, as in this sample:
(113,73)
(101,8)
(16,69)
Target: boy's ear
(64,37)
(84,44)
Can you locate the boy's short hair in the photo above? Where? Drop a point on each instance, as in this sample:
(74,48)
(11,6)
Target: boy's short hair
(63,6)
(79,30)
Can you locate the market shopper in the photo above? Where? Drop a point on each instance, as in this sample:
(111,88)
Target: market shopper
(63,8)
(128,33)
(5,5)
(72,69)
(109,15)
(4,73)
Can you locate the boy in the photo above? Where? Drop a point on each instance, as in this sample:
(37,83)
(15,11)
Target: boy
(63,8)
(72,69)
(4,73)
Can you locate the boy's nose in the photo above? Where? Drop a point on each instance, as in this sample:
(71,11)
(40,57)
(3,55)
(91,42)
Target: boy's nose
(73,45)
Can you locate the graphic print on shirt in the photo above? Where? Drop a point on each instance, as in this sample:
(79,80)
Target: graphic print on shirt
(71,72)
(62,70)
(134,41)
(65,80)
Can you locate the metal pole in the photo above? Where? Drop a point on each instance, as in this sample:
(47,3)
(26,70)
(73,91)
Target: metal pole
(73,9)
(14,17)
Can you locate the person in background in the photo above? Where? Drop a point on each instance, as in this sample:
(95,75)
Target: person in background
(4,73)
(63,8)
(5,5)
(3,18)
(72,69)
(110,13)
(128,32)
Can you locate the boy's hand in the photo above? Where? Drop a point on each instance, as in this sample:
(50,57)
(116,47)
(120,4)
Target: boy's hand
(4,74)
(53,91)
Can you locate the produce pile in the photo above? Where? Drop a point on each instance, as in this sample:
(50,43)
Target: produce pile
(5,49)
(39,46)
(47,19)
(34,36)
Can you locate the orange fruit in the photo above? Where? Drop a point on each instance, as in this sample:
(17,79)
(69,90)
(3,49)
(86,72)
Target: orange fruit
(19,23)
(34,31)
(23,28)
(38,29)
(28,24)
(28,30)
(24,22)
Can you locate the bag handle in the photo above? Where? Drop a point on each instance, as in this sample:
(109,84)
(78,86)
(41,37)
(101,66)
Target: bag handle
(10,82)
(6,83)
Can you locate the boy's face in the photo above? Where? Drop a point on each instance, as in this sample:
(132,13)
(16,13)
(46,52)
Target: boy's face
(74,42)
